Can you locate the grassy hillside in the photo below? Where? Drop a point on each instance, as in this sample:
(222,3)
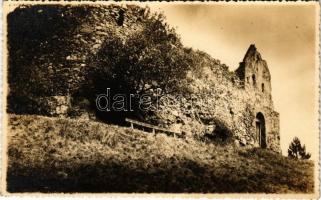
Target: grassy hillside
(63,155)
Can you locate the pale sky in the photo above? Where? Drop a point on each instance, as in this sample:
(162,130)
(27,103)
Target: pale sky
(285,35)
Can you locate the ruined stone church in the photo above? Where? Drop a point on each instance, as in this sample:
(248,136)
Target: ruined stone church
(239,102)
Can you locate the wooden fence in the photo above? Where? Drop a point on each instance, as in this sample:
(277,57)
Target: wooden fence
(154,129)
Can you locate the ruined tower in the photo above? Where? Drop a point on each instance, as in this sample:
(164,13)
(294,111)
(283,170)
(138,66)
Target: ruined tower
(255,73)
(256,80)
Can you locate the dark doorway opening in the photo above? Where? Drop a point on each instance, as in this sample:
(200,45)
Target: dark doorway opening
(260,130)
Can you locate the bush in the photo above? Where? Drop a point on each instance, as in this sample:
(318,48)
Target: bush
(297,151)
(221,134)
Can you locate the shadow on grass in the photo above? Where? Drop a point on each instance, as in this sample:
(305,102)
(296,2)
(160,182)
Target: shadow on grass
(170,177)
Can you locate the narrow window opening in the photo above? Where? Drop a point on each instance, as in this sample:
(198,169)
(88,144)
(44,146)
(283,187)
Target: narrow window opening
(254,79)
(262,87)
(120,18)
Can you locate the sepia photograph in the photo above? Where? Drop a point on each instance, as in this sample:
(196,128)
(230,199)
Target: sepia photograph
(151,98)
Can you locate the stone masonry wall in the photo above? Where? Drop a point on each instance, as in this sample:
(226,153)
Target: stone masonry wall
(56,49)
(219,95)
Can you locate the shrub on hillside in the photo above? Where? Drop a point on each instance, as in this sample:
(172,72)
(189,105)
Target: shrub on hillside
(297,151)
(220,135)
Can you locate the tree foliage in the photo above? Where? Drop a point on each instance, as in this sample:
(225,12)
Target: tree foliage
(297,151)
(150,59)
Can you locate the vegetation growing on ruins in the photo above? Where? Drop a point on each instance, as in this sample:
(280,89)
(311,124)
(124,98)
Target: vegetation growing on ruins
(79,51)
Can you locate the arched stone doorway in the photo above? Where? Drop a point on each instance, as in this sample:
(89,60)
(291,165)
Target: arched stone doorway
(260,129)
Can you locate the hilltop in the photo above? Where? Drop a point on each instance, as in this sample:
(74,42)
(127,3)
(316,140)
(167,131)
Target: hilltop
(64,155)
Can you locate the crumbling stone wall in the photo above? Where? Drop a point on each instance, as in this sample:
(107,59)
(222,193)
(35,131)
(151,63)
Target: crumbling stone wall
(52,55)
(55,106)
(217,95)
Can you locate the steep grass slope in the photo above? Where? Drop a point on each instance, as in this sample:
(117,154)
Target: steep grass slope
(63,155)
